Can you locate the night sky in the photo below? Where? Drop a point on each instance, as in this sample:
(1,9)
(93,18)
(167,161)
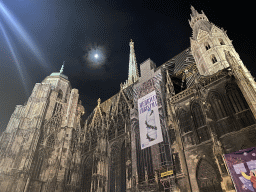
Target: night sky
(36,36)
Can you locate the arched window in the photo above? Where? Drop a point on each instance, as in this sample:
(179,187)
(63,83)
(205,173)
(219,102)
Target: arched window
(207,46)
(117,171)
(186,128)
(199,122)
(185,122)
(224,124)
(221,41)
(207,177)
(87,174)
(60,94)
(213,58)
(236,99)
(217,106)
(239,106)
(198,116)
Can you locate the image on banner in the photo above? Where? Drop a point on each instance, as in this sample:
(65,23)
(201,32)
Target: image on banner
(149,122)
(242,168)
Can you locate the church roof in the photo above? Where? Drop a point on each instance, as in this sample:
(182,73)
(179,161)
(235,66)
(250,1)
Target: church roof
(59,74)
(181,62)
(176,66)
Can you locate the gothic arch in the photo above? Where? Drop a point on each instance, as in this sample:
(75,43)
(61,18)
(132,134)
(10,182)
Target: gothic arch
(208,179)
(86,170)
(235,97)
(197,114)
(201,130)
(60,94)
(221,113)
(117,166)
(186,127)
(239,106)
(184,121)
(218,108)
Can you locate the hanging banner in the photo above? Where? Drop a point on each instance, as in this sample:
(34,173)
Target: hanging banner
(149,122)
(242,168)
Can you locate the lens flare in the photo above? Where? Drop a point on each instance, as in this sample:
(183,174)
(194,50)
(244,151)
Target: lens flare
(15,58)
(21,33)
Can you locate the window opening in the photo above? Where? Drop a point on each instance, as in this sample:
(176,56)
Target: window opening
(207,46)
(214,60)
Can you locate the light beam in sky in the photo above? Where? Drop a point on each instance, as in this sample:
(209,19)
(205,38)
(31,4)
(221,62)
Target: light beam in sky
(15,58)
(20,32)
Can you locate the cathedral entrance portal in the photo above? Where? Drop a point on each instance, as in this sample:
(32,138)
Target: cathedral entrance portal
(87,175)
(117,169)
(207,178)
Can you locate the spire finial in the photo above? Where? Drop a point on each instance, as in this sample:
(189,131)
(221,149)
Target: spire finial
(133,70)
(62,67)
(131,44)
(99,100)
(194,12)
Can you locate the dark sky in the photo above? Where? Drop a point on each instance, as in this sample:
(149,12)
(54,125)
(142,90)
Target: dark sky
(44,33)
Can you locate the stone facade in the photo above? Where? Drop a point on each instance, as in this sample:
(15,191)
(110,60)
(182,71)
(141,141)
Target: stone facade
(206,106)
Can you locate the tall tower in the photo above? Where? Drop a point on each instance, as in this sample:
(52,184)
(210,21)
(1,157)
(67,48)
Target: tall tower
(133,73)
(208,45)
(38,145)
(213,51)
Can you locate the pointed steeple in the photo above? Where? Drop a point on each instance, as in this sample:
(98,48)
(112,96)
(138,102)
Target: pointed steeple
(199,21)
(133,74)
(62,67)
(194,12)
(60,73)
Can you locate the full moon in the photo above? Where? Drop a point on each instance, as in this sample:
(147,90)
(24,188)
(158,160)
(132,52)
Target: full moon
(96,56)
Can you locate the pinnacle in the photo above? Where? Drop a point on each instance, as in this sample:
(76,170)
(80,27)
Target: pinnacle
(62,67)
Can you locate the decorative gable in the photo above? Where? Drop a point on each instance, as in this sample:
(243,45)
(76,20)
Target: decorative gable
(216,31)
(202,34)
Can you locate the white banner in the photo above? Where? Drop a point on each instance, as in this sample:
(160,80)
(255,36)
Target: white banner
(149,122)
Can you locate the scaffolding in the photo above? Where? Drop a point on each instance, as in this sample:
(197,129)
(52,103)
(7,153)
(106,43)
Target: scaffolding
(166,168)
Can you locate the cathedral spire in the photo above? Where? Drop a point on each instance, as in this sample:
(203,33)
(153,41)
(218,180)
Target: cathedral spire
(62,67)
(133,74)
(194,12)
(198,19)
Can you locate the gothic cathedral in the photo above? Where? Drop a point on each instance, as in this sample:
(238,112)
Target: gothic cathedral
(206,101)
